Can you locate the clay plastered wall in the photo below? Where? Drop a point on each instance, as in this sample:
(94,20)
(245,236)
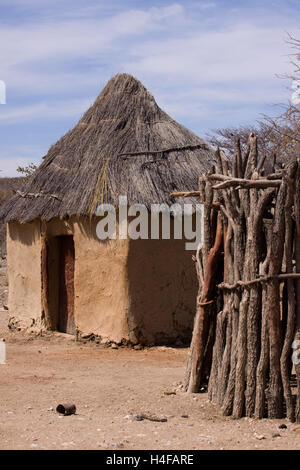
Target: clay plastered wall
(137,290)
(162,290)
(101,290)
(24,272)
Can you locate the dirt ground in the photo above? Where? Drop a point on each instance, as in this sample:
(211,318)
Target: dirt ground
(110,386)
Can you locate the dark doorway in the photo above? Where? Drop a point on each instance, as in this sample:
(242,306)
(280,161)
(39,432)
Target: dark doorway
(66,285)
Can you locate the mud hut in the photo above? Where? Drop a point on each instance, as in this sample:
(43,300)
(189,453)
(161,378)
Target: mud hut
(61,275)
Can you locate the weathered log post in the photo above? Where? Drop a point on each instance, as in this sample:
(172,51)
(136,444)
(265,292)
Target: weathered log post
(297,282)
(286,357)
(204,313)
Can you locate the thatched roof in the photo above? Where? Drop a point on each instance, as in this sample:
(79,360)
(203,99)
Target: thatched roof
(123,145)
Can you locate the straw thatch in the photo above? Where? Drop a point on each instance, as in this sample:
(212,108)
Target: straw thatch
(123,145)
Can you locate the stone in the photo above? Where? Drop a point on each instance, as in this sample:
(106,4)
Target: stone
(137,417)
(282,426)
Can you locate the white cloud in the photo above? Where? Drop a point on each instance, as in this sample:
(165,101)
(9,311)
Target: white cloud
(205,5)
(9,165)
(46,110)
(215,71)
(205,65)
(55,82)
(13,156)
(73,38)
(70,54)
(40,58)
(243,52)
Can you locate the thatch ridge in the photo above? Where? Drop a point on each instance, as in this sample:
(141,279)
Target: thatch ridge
(123,145)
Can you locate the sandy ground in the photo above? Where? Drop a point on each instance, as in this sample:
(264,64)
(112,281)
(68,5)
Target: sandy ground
(108,386)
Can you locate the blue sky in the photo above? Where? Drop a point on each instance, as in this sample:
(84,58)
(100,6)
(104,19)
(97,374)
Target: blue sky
(209,63)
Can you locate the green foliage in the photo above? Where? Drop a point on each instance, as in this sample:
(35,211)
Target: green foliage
(27,171)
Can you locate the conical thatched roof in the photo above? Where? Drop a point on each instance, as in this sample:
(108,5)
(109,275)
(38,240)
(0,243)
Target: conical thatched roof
(123,145)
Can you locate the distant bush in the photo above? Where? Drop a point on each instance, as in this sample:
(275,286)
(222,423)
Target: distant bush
(27,171)
(8,187)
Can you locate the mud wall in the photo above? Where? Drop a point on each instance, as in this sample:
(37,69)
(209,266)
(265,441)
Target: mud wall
(24,273)
(162,290)
(101,290)
(133,290)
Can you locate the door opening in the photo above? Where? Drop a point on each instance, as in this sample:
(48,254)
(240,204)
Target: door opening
(66,251)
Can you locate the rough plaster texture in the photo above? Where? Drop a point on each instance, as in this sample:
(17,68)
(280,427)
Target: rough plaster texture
(131,290)
(101,291)
(162,290)
(24,273)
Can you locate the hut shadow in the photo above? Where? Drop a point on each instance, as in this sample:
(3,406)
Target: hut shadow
(162,292)
(27,235)
(87,227)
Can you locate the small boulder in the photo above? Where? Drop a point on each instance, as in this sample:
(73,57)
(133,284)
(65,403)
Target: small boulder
(282,426)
